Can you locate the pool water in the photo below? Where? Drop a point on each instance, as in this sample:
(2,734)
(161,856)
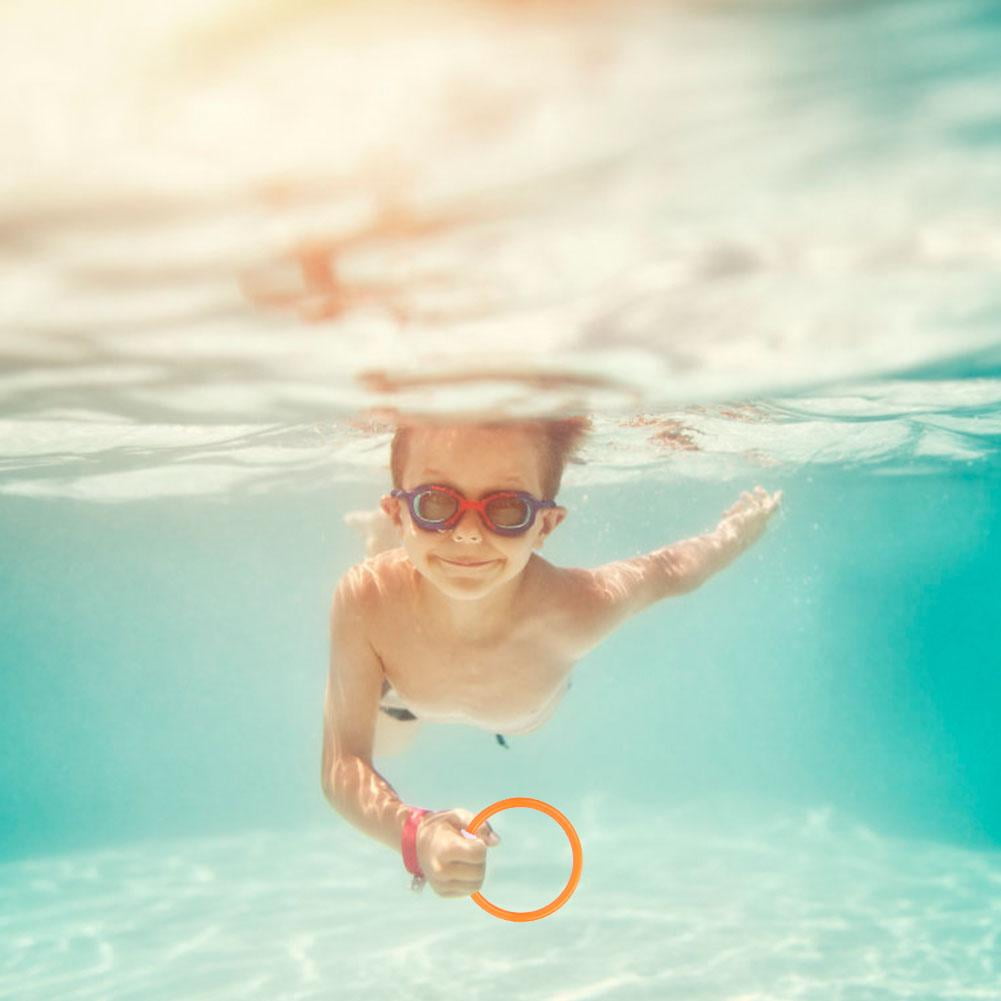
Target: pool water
(756,243)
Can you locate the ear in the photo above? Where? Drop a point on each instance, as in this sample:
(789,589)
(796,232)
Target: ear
(391,508)
(551,517)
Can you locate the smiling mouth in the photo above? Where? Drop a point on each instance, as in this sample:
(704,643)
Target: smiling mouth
(462,563)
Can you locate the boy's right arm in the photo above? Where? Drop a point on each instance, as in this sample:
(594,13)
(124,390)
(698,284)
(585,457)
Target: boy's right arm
(354,686)
(453,864)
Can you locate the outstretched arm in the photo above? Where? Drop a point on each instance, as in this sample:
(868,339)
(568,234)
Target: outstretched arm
(625,587)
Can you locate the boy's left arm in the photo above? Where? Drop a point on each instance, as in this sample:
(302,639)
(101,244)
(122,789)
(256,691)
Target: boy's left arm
(625,587)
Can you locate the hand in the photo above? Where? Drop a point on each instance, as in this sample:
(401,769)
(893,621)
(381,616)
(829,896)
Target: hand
(748,517)
(453,863)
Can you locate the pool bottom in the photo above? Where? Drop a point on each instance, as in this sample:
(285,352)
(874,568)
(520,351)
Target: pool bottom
(670,905)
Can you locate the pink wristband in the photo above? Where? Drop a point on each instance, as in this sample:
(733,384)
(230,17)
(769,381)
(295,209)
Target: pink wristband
(409,845)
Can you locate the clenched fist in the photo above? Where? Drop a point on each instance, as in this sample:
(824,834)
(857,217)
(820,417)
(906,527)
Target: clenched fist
(453,863)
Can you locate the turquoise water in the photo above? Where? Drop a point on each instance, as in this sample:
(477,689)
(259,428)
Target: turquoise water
(784,783)
(762,248)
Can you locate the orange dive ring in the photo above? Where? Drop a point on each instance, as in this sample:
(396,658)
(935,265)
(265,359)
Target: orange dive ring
(578,857)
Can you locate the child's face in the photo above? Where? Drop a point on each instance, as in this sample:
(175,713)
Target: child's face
(475,461)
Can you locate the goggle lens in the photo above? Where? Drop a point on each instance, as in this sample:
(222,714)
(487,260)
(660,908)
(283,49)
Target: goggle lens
(508,512)
(437,506)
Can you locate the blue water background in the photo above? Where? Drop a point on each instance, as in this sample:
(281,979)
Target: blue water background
(784,782)
(165,664)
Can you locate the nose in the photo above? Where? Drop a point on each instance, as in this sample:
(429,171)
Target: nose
(468,528)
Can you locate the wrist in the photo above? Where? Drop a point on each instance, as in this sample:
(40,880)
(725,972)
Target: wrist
(728,533)
(408,844)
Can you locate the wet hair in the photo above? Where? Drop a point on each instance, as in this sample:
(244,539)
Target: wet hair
(559,440)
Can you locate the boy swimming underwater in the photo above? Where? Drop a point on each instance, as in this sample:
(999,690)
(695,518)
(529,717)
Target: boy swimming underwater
(464,622)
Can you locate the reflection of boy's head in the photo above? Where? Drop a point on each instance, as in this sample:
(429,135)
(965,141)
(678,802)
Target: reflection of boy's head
(551,442)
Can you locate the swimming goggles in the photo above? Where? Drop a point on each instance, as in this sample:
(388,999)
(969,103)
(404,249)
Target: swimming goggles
(437,508)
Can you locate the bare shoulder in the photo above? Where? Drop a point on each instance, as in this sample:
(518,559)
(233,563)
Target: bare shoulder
(578,603)
(573,588)
(371,584)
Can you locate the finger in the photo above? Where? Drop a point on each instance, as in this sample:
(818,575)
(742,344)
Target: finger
(457,876)
(466,853)
(463,872)
(474,851)
(485,834)
(458,889)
